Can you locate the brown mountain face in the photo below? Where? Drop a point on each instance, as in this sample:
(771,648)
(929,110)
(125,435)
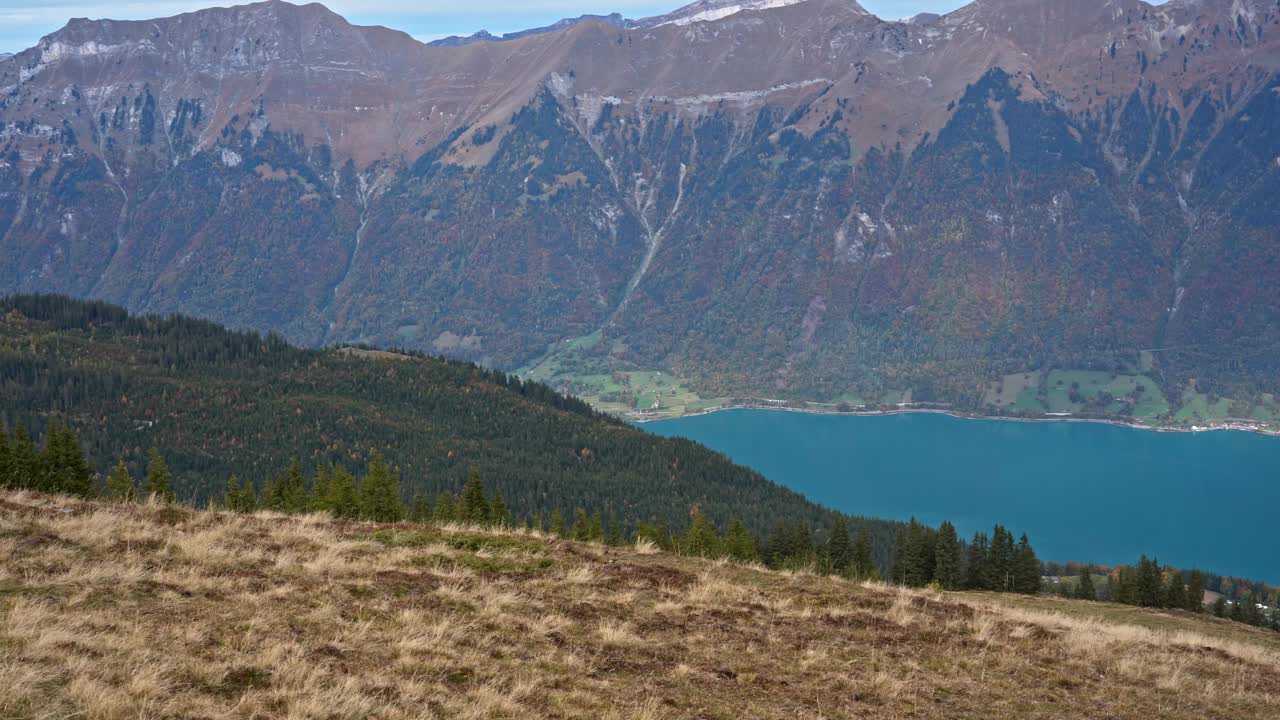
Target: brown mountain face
(784,199)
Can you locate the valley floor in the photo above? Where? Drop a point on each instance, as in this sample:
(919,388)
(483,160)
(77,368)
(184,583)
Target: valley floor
(141,611)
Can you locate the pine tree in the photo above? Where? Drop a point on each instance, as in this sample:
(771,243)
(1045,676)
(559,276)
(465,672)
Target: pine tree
(474,508)
(946,564)
(976,572)
(1085,590)
(738,543)
(1195,592)
(1026,568)
(839,550)
(1175,592)
(596,531)
(700,539)
(120,483)
(499,515)
(379,493)
(862,565)
(159,480)
(557,523)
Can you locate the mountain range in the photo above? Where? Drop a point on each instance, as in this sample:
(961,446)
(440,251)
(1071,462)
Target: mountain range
(796,200)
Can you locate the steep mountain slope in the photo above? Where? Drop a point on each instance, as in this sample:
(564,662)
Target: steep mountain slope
(795,200)
(122,611)
(219,403)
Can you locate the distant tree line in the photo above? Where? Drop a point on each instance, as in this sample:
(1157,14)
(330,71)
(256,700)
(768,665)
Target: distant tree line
(1147,584)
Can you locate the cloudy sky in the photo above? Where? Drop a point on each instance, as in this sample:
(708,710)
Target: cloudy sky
(24,22)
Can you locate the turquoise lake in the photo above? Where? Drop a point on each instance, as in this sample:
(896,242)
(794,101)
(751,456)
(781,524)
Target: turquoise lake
(1082,491)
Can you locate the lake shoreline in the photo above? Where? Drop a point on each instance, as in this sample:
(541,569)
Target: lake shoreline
(642,419)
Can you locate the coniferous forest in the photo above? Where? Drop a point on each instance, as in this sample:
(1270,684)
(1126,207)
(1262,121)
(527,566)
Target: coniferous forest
(220,403)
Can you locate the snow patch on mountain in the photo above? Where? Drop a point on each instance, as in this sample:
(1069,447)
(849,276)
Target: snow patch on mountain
(712,10)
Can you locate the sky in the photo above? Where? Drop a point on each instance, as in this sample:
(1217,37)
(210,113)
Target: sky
(24,22)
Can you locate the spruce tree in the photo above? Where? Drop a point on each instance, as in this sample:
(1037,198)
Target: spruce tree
(1000,560)
(653,534)
(614,537)
(446,508)
(231,498)
(293,493)
(379,493)
(343,501)
(24,462)
(557,523)
(581,526)
(976,572)
(1195,592)
(318,497)
(248,497)
(1220,607)
(839,551)
(120,483)
(701,539)
(499,515)
(474,507)
(738,543)
(862,566)
(1126,590)
(420,509)
(946,564)
(920,555)
(50,478)
(1252,613)
(1237,609)
(596,532)
(899,571)
(74,477)
(1085,590)
(1026,568)
(1175,592)
(6,459)
(1149,585)
(159,480)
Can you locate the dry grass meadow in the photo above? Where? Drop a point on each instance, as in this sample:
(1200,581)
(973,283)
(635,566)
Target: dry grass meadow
(151,611)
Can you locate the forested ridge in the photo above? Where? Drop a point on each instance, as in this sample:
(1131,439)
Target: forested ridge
(221,402)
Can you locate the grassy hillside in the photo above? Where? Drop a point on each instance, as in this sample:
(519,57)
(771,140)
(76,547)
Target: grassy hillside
(217,402)
(158,611)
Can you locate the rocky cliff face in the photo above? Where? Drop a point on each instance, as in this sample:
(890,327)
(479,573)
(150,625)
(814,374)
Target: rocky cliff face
(793,196)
